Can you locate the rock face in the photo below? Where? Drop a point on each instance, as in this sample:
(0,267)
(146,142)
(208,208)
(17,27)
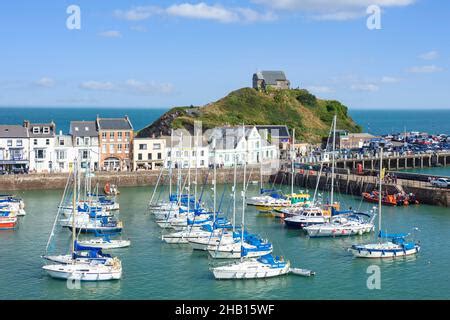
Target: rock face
(310,116)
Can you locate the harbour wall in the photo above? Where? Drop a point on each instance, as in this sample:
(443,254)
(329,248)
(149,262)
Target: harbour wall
(348,183)
(47,181)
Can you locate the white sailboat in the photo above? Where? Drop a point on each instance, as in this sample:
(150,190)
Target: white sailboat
(82,271)
(396,246)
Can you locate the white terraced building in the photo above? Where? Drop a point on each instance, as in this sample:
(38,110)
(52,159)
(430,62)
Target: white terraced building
(244,142)
(42,146)
(14,149)
(183,148)
(84,136)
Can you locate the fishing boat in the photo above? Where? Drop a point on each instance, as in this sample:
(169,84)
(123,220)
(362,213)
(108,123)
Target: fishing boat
(306,217)
(395,246)
(12,204)
(348,224)
(8,223)
(387,200)
(111,189)
(89,270)
(263,267)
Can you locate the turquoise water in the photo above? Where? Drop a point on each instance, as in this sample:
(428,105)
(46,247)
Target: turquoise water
(437,171)
(155,270)
(391,121)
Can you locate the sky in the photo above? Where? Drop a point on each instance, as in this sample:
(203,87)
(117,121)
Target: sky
(175,53)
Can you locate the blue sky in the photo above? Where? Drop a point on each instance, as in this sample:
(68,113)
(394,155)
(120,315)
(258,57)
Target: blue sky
(169,53)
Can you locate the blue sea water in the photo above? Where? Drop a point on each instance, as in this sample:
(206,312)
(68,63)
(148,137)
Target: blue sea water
(140,117)
(393,121)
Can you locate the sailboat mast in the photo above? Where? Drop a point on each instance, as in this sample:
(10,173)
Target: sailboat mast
(170,163)
(214,183)
(292,161)
(234,192)
(243,197)
(75,174)
(196,169)
(379,195)
(261,164)
(333,157)
(189,174)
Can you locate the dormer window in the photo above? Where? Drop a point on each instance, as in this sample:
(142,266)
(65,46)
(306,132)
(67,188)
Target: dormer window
(86,128)
(76,128)
(35,130)
(46,130)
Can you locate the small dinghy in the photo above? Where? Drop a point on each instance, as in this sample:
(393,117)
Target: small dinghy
(302,272)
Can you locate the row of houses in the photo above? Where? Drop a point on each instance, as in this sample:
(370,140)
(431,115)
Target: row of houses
(110,144)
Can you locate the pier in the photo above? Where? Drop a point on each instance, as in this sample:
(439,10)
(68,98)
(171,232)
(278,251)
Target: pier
(393,161)
(351,183)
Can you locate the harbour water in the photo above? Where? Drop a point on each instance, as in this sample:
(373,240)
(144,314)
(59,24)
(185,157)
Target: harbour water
(155,270)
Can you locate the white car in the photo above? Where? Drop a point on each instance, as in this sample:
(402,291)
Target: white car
(441,183)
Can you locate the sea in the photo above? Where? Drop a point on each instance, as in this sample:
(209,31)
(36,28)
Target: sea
(153,269)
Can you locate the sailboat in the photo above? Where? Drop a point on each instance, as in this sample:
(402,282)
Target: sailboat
(85,270)
(341,223)
(396,246)
(249,245)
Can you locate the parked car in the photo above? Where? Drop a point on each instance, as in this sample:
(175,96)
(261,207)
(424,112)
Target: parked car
(441,183)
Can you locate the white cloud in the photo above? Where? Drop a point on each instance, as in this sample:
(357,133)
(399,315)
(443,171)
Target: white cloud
(200,11)
(319,89)
(139,28)
(331,9)
(425,69)
(370,87)
(45,82)
(98,85)
(110,34)
(388,79)
(149,87)
(430,55)
(138,13)
(132,86)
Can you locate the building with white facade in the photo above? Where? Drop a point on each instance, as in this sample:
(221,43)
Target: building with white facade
(14,149)
(42,145)
(244,142)
(183,148)
(64,154)
(148,153)
(84,136)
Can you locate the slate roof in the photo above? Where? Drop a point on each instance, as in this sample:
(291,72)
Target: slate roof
(83,129)
(275,131)
(13,131)
(41,133)
(114,124)
(271,77)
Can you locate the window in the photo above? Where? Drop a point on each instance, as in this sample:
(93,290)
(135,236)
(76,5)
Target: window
(61,142)
(47,142)
(46,130)
(36,130)
(19,143)
(111,148)
(169,153)
(149,156)
(104,136)
(119,136)
(86,141)
(61,165)
(159,155)
(157,146)
(194,153)
(178,154)
(126,146)
(60,154)
(78,141)
(127,135)
(104,148)
(227,157)
(142,147)
(139,156)
(85,155)
(9,143)
(202,162)
(119,148)
(186,154)
(35,142)
(39,154)
(111,136)
(202,153)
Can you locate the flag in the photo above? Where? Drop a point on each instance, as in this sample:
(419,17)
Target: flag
(383,171)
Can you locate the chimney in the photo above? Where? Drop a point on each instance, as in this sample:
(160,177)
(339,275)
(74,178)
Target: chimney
(153,136)
(26,124)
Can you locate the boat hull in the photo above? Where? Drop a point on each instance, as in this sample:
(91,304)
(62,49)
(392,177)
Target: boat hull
(381,254)
(81,274)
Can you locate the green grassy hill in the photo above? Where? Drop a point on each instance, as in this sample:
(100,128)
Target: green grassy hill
(311,117)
